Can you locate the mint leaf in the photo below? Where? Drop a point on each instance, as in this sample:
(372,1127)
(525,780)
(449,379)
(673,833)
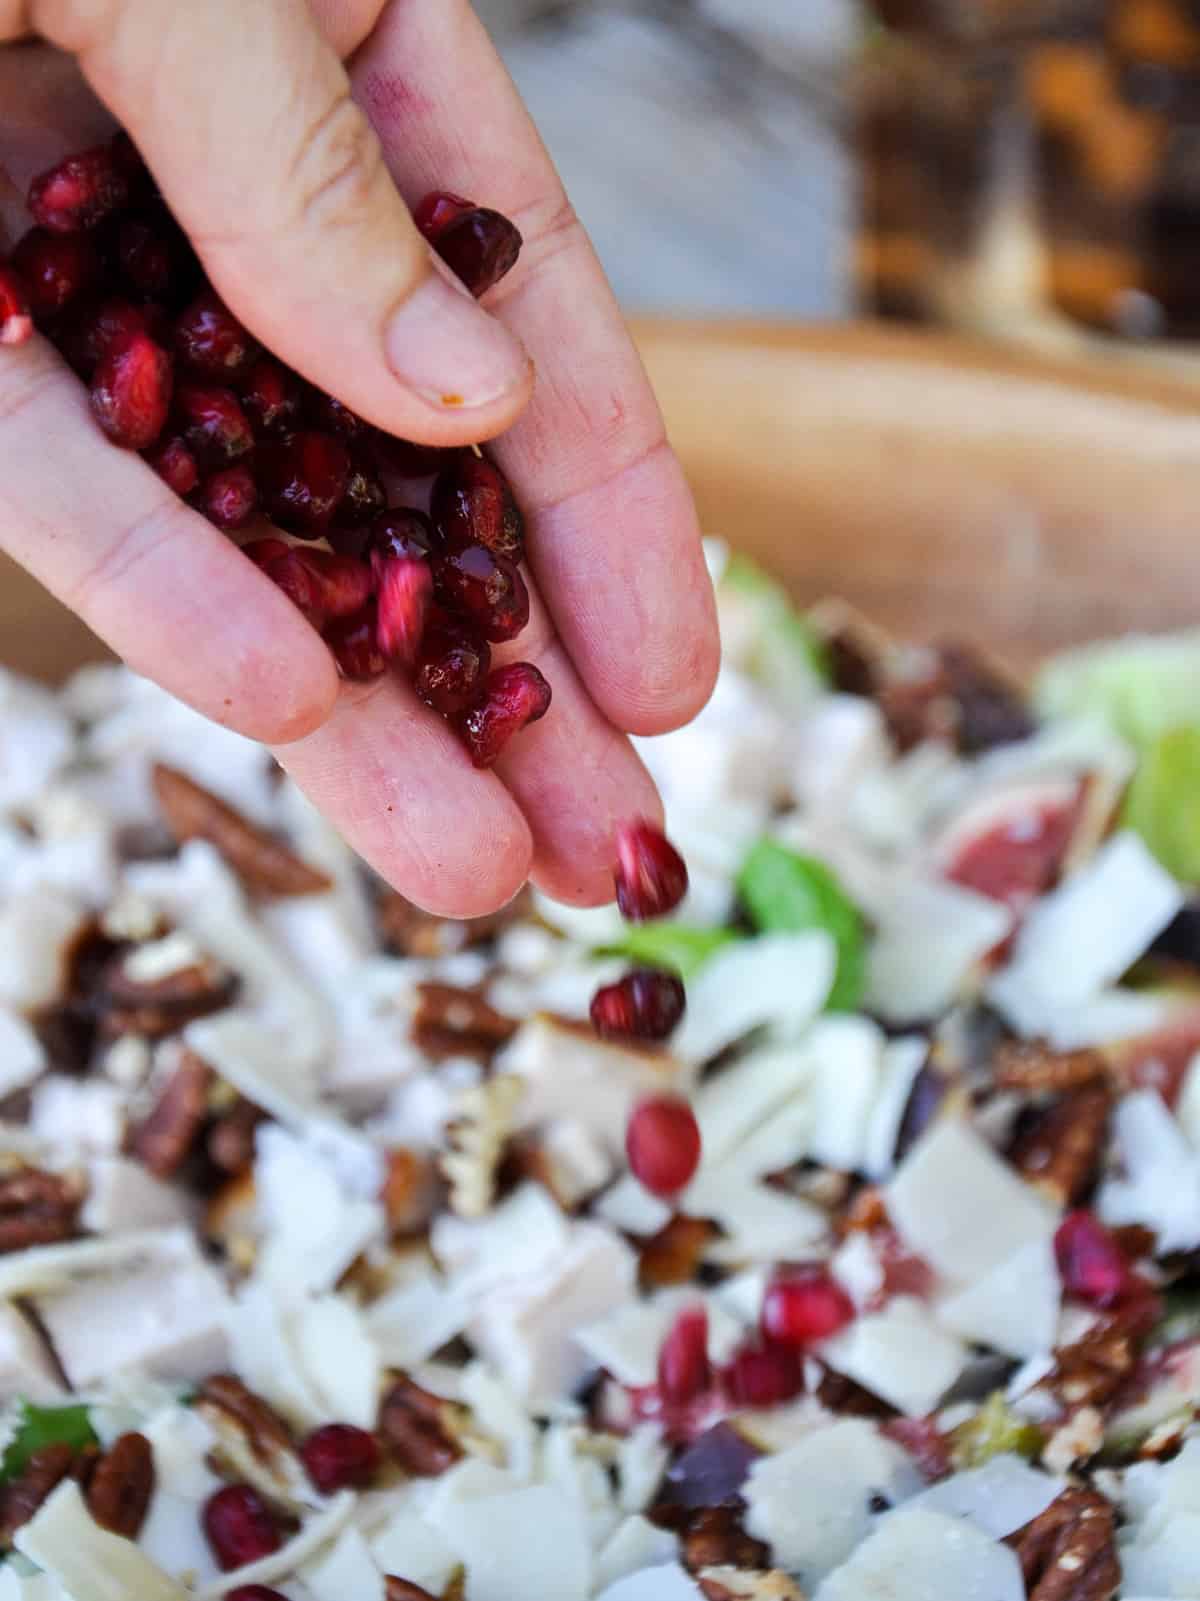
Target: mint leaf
(42,1426)
(676,947)
(789,893)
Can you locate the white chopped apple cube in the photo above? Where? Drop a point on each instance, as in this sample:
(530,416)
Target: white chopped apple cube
(900,1355)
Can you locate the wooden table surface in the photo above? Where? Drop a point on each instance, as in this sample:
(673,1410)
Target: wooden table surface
(941,486)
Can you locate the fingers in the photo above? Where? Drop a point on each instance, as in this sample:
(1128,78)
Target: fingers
(245,115)
(614,543)
(150,577)
(397,785)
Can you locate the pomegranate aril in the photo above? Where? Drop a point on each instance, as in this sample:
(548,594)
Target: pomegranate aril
(513,697)
(1092,1265)
(146,255)
(229,498)
(483,587)
(293,575)
(354,642)
(55,270)
(340,1456)
(473,504)
(644,1004)
(683,1366)
(239,1526)
(264,551)
(131,392)
(175,465)
(662,1144)
(365,496)
(327,413)
(451,665)
(213,423)
(406,460)
(302,480)
(96,330)
(480,246)
(403,531)
(16,317)
(764,1375)
(344,585)
(129,162)
(211,342)
(438,209)
(404,587)
(271,397)
(651,878)
(79,192)
(803,1306)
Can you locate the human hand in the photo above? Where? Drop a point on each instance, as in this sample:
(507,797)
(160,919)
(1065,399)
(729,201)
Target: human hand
(287,167)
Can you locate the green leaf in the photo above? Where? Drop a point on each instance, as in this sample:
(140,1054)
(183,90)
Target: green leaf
(42,1426)
(1142,686)
(675,946)
(788,893)
(1163,802)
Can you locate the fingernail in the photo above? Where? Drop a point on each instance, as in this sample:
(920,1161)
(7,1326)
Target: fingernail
(441,345)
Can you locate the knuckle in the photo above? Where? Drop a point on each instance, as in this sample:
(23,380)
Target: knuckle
(133,543)
(338,169)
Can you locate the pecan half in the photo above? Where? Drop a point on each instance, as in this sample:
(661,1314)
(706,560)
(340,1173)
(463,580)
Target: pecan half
(741,1584)
(252,1438)
(37,1208)
(715,1538)
(262,862)
(672,1256)
(1092,1370)
(1038,1070)
(121,1484)
(417,1429)
(448,1021)
(405,928)
(230,1140)
(1061,1152)
(410,1190)
(1069,1553)
(131,1006)
(164,1140)
(21,1497)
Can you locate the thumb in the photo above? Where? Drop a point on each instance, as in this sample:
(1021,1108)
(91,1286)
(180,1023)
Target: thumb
(245,116)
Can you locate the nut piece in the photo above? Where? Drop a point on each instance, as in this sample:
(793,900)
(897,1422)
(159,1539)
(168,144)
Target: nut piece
(230,1141)
(1090,1372)
(37,1208)
(715,1539)
(739,1584)
(1069,1553)
(163,1141)
(448,1021)
(1062,1152)
(418,1429)
(408,930)
(672,1256)
(475,1139)
(1037,1069)
(253,1440)
(153,1009)
(21,1497)
(410,1190)
(264,865)
(121,1484)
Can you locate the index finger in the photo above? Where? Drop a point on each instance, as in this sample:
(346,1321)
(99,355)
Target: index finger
(615,544)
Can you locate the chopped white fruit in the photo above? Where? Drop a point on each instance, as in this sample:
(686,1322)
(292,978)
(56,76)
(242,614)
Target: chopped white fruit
(314,1535)
(51,1269)
(500,1414)
(123,1195)
(1014,1308)
(525,1234)
(960,1207)
(635,1544)
(25,1365)
(22,1055)
(173,1535)
(1162,1529)
(630,1207)
(37,930)
(760,1223)
(314,1228)
(81,1114)
(627,1342)
(1088,932)
(998,1498)
(839,740)
(335,1349)
(411,1322)
(579,1163)
(903,1059)
(669,1583)
(900,1355)
(747,1095)
(917,1555)
(857,1268)
(929,938)
(265,1357)
(36,740)
(90,1563)
(411,1548)
(849,1056)
(778,980)
(1161,1183)
(493,1537)
(814,1502)
(344,1569)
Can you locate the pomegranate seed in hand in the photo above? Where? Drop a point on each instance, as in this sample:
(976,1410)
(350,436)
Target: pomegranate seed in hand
(451,665)
(479,246)
(293,575)
(344,584)
(131,392)
(328,414)
(16,318)
(271,397)
(340,1457)
(683,1367)
(485,588)
(99,329)
(651,877)
(175,465)
(438,209)
(365,497)
(355,645)
(513,697)
(645,1004)
(404,586)
(404,531)
(54,269)
(211,342)
(662,1143)
(80,192)
(146,254)
(1091,1263)
(213,423)
(406,460)
(803,1306)
(473,504)
(239,1526)
(764,1375)
(230,498)
(128,161)
(302,480)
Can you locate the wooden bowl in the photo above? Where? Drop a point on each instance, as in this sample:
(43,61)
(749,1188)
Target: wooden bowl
(943,487)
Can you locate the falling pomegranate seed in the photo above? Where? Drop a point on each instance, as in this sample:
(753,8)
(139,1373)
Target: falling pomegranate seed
(662,1143)
(340,1457)
(55,269)
(451,664)
(473,504)
(211,343)
(480,246)
(513,697)
(485,588)
(438,209)
(302,479)
(1091,1263)
(79,192)
(131,392)
(354,642)
(406,460)
(764,1375)
(16,318)
(645,1004)
(175,465)
(239,1526)
(805,1305)
(404,586)
(271,397)
(364,498)
(651,876)
(230,498)
(213,423)
(683,1366)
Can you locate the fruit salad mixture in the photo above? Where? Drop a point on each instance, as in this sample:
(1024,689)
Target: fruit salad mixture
(342,1255)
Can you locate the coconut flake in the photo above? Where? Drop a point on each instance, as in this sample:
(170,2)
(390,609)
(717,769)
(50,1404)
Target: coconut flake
(79,1114)
(900,1355)
(780,980)
(635,1544)
(1014,1308)
(998,1499)
(25,1365)
(314,1229)
(669,1583)
(346,1569)
(641,1462)
(413,1549)
(498,1412)
(36,741)
(627,1342)
(847,1082)
(123,1195)
(918,1555)
(22,1055)
(930,938)
(266,1359)
(903,1059)
(1161,1186)
(37,931)
(413,1321)
(522,1236)
(90,1563)
(491,1535)
(630,1207)
(331,1339)
(747,1095)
